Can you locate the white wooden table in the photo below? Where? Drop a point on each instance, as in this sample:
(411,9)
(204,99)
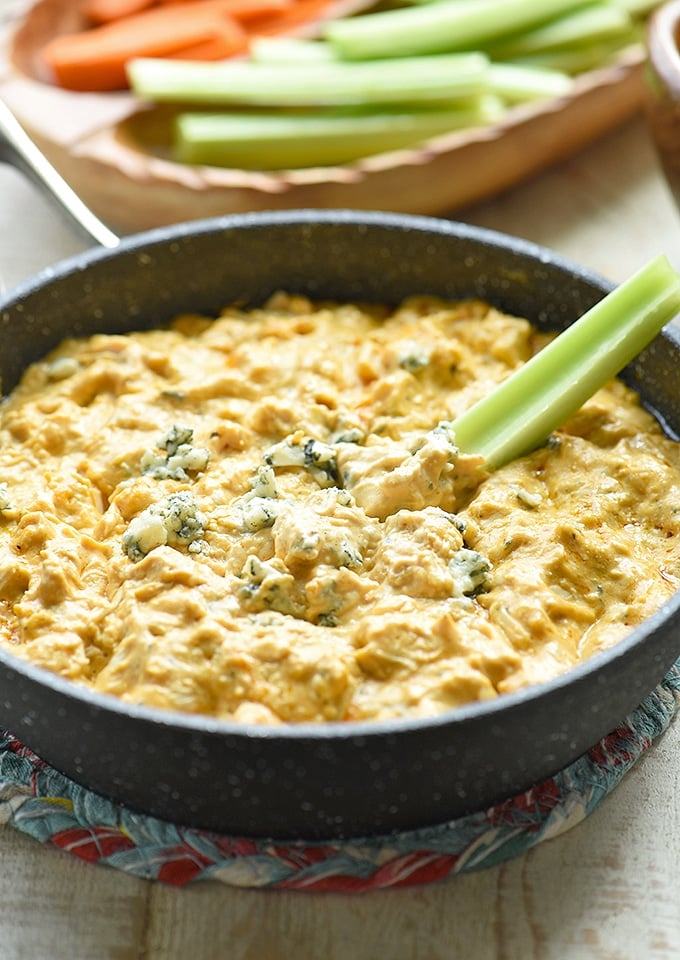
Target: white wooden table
(608,890)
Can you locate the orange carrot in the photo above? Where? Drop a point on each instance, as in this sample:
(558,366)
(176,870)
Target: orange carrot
(232,39)
(95,59)
(243,10)
(104,11)
(247,10)
(300,12)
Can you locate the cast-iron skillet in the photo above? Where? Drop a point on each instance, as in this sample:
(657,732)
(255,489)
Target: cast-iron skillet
(322,781)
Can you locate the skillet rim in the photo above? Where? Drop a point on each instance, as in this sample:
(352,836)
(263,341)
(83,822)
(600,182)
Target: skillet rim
(305,217)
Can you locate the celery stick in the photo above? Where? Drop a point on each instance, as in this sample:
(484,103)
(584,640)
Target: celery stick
(512,83)
(521,413)
(279,141)
(289,50)
(580,58)
(516,83)
(592,23)
(442,77)
(637,8)
(440,26)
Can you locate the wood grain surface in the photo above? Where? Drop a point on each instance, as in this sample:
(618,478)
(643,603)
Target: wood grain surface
(607,890)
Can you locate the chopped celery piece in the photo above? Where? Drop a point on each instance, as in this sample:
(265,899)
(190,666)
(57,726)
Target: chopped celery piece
(510,82)
(516,83)
(522,412)
(439,26)
(443,77)
(578,59)
(637,8)
(289,50)
(588,25)
(279,141)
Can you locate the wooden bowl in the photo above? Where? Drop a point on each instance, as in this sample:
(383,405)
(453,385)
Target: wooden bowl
(662,91)
(111,150)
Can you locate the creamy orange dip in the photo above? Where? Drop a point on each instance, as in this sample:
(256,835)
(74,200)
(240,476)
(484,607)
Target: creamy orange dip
(264,517)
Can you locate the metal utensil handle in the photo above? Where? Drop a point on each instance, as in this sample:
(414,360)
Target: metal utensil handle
(17,148)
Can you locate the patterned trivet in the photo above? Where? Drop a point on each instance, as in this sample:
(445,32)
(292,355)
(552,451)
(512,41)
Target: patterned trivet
(37,800)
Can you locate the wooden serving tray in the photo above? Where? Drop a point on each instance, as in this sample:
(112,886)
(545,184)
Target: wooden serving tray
(111,150)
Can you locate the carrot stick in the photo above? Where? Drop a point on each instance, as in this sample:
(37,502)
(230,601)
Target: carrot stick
(240,9)
(104,11)
(231,39)
(95,59)
(247,10)
(300,12)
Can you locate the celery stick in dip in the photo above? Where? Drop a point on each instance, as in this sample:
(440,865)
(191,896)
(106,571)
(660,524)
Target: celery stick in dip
(520,414)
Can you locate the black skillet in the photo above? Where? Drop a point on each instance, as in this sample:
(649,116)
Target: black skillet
(312,781)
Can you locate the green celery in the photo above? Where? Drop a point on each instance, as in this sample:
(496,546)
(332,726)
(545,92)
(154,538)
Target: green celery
(278,141)
(439,26)
(578,59)
(542,395)
(442,77)
(637,8)
(516,83)
(574,60)
(511,83)
(289,50)
(592,23)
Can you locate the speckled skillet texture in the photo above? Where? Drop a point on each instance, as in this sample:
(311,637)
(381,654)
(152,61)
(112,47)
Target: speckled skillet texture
(332,781)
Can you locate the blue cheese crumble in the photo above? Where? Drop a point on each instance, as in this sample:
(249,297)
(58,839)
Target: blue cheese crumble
(263,485)
(267,583)
(414,356)
(258,507)
(175,521)
(313,455)
(258,513)
(181,457)
(470,571)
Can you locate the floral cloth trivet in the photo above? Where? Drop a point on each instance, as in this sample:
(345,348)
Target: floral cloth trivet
(51,808)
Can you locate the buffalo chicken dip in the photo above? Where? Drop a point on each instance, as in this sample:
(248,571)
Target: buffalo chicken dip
(264,517)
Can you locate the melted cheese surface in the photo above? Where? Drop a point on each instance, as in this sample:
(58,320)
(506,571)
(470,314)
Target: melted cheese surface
(264,517)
